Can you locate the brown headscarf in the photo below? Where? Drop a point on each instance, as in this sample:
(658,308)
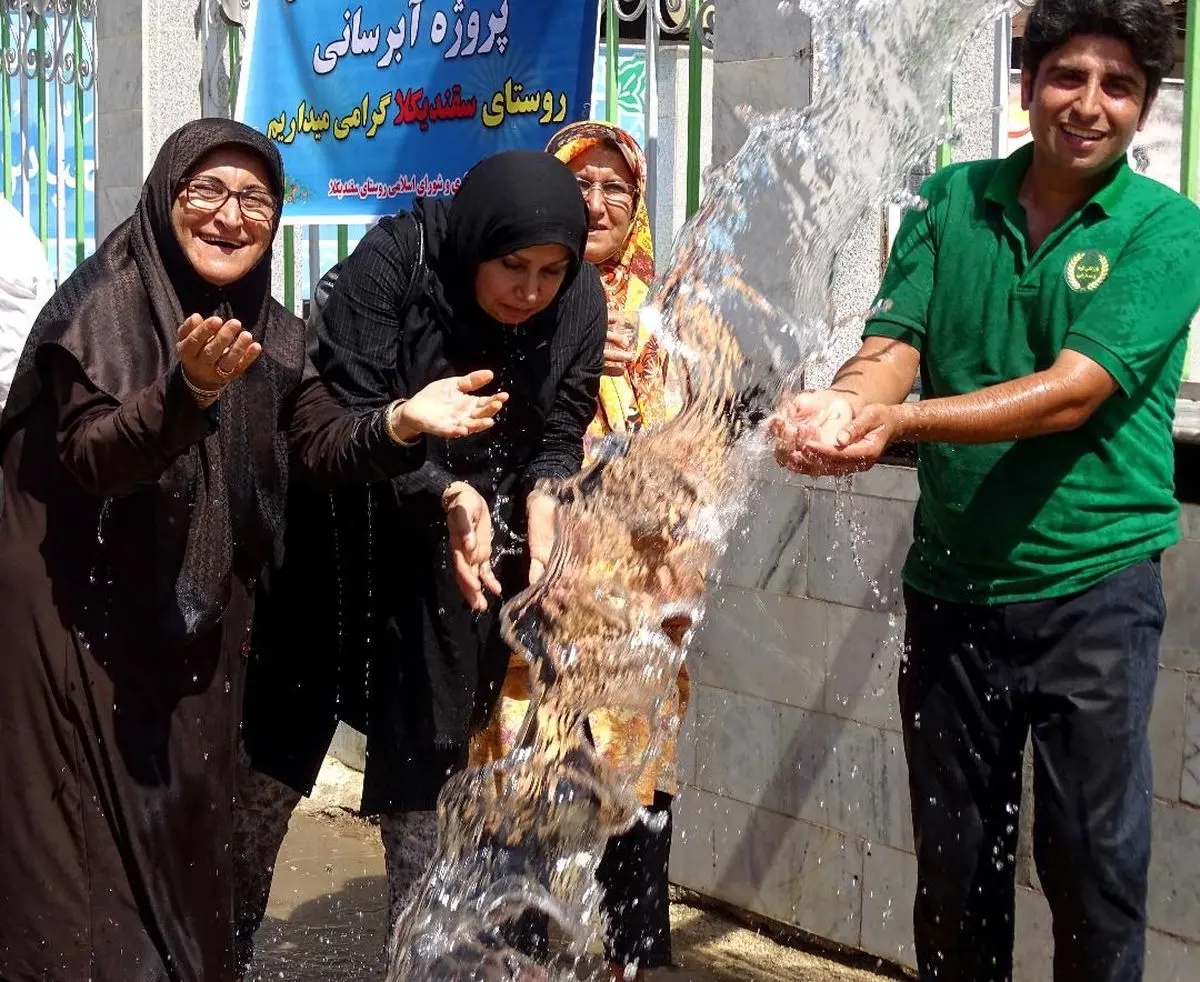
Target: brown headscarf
(219,507)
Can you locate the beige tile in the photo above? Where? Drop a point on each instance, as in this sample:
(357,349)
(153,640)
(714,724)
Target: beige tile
(1169,733)
(1170,959)
(1174,903)
(762,644)
(769,548)
(889,888)
(791,871)
(863,661)
(856,550)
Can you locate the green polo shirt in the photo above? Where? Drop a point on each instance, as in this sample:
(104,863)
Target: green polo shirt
(1118,282)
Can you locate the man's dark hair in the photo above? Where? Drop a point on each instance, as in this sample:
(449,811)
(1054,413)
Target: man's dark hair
(1145,26)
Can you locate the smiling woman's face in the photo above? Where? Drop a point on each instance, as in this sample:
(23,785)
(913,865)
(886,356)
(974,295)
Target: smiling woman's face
(224,240)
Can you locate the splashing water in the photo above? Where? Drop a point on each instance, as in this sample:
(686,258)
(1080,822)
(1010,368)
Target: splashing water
(746,303)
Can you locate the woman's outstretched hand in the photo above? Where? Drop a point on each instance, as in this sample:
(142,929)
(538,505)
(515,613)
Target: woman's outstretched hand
(470,524)
(214,352)
(446,408)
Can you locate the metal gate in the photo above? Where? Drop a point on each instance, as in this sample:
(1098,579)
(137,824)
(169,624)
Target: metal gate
(48,106)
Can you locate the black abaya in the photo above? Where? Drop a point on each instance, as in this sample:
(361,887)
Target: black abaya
(134,524)
(394,650)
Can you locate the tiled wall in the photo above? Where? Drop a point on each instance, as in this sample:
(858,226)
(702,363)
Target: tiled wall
(796,805)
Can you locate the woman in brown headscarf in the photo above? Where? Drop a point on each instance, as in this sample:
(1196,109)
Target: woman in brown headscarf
(145,449)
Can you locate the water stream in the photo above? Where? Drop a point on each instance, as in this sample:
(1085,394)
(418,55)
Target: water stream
(745,304)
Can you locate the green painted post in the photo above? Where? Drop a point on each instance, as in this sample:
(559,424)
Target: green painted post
(43,136)
(612,51)
(343,236)
(235,43)
(695,114)
(1189,179)
(6,108)
(289,267)
(945,155)
(80,181)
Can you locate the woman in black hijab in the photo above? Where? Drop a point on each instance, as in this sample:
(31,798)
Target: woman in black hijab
(145,454)
(494,278)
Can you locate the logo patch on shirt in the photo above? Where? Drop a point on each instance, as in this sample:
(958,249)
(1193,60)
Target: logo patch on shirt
(1086,270)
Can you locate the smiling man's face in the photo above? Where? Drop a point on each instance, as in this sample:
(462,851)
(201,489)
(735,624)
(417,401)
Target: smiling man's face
(1086,104)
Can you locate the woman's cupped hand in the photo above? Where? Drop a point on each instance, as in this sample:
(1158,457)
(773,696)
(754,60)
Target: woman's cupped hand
(470,523)
(214,351)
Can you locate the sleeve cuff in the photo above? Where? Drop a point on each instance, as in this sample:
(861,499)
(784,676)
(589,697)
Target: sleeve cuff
(1106,359)
(431,479)
(396,457)
(881,327)
(390,430)
(533,476)
(185,422)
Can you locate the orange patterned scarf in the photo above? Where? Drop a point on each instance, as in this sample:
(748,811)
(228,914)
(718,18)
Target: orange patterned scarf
(643,395)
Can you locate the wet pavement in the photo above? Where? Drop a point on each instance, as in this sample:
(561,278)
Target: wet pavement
(325,922)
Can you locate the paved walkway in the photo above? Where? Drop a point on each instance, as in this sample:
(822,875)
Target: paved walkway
(325,922)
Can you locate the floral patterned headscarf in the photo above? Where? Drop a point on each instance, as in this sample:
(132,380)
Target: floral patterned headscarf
(643,395)
(627,274)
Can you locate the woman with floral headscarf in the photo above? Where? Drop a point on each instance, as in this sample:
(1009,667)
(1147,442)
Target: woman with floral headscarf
(636,390)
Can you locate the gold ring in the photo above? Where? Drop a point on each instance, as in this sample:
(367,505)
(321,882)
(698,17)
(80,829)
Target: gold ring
(221,372)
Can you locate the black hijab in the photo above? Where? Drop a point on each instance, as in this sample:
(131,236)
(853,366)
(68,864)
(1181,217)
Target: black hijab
(218,507)
(506,202)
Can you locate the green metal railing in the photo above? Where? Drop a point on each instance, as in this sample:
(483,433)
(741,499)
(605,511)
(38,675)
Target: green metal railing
(78,133)
(612,33)
(674,18)
(945,153)
(289,267)
(1189,162)
(43,137)
(47,51)
(6,104)
(695,107)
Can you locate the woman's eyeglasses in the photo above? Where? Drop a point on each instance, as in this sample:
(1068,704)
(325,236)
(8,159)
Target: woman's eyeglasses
(210,194)
(616,193)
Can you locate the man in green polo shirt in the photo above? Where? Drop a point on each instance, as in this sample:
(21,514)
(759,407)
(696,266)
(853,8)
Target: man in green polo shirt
(1045,300)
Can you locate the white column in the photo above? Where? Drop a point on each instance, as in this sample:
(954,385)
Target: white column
(147,84)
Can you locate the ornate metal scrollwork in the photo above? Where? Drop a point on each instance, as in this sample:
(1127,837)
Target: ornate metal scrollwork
(217,19)
(671,16)
(236,11)
(65,25)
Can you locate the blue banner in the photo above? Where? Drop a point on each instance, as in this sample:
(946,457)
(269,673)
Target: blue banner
(371,104)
